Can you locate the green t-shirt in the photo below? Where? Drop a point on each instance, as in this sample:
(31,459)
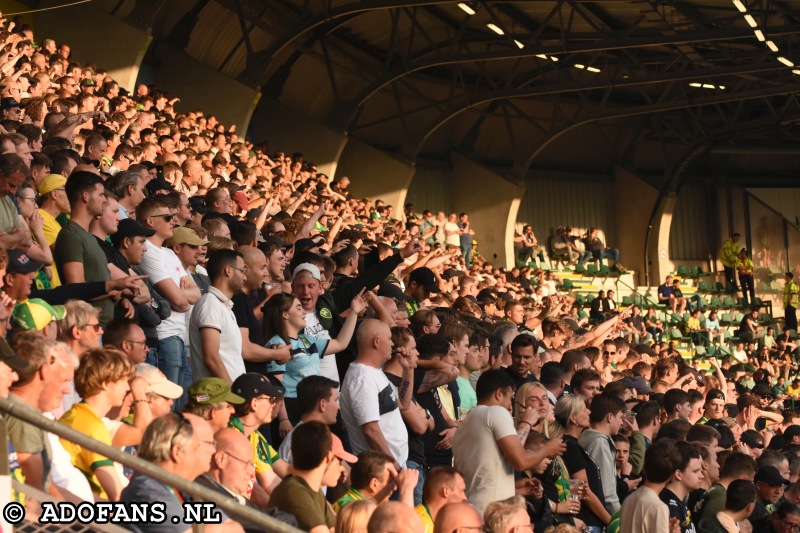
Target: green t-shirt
(9,216)
(76,244)
(467,395)
(293,495)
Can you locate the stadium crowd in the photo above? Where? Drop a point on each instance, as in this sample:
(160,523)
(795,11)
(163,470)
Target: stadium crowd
(224,311)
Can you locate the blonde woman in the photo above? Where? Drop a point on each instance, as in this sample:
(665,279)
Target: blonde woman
(532,410)
(571,419)
(353,518)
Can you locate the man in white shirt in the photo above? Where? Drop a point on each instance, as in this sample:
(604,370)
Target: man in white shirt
(215,339)
(369,402)
(171,280)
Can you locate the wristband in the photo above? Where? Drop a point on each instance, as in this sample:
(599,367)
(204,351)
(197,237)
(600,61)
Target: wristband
(526,422)
(137,401)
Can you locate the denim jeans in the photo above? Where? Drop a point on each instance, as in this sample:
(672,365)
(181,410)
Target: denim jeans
(173,361)
(152,357)
(418,489)
(594,529)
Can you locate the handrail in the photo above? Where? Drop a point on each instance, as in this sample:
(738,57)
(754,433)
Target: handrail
(231,506)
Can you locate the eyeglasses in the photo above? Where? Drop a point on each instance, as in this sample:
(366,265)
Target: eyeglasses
(273,400)
(181,422)
(21,198)
(790,525)
(136,342)
(609,353)
(97,327)
(166,216)
(240,269)
(210,443)
(248,464)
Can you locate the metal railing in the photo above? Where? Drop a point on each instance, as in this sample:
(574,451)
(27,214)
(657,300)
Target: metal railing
(231,506)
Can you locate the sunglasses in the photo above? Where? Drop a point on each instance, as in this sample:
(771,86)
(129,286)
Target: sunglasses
(167,217)
(182,421)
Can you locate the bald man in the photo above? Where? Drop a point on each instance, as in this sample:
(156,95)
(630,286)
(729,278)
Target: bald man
(394,517)
(454,516)
(247,310)
(369,402)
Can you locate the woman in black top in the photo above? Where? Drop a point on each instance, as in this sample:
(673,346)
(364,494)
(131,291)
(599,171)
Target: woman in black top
(572,417)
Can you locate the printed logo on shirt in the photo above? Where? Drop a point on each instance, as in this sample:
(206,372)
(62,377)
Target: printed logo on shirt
(325,313)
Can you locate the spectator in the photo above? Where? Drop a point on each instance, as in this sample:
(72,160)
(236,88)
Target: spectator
(790,297)
(13,172)
(465,238)
(506,516)
(78,256)
(355,517)
(666,296)
(54,202)
(184,446)
(126,336)
(738,466)
(369,401)
(129,190)
(643,511)
(729,257)
(745,268)
(585,382)
(686,478)
(317,463)
(102,381)
(598,249)
(80,329)
(769,489)
(212,400)
(262,399)
(458,516)
(373,477)
(648,420)
(421,284)
(606,419)
(486,448)
(171,280)
(317,400)
(739,503)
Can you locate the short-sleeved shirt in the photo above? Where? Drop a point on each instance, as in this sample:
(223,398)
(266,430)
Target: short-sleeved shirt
(518,380)
(161,264)
(306,355)
(81,417)
(677,509)
(75,244)
(9,215)
(352,495)
(576,459)
(215,310)
(368,396)
(488,474)
(293,495)
(425,515)
(468,397)
(27,438)
(664,291)
(51,228)
(264,455)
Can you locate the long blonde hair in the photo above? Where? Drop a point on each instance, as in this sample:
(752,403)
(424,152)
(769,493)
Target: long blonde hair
(522,393)
(354,517)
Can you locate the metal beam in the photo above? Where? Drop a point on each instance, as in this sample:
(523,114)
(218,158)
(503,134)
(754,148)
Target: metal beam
(594,85)
(615,44)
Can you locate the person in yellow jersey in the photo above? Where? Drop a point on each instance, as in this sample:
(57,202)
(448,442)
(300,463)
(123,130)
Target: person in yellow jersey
(729,257)
(373,477)
(746,268)
(443,485)
(53,202)
(102,381)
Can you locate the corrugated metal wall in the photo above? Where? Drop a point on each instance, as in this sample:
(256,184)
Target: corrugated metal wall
(548,203)
(689,236)
(428,190)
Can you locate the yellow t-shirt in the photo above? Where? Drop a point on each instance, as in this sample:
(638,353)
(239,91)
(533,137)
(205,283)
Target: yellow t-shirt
(792,391)
(425,516)
(83,418)
(50,228)
(264,455)
(446,397)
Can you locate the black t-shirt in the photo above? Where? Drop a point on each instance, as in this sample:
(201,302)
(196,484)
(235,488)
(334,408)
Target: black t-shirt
(678,509)
(416,447)
(430,401)
(520,381)
(245,318)
(576,459)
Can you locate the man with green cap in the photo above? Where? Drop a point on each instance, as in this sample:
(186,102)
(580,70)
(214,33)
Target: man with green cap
(212,400)
(38,316)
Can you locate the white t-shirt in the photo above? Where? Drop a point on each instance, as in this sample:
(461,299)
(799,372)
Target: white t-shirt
(160,264)
(327,363)
(63,472)
(368,396)
(455,238)
(215,310)
(489,476)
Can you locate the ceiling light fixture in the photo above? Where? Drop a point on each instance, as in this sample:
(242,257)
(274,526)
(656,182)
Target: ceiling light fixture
(796,72)
(593,69)
(466,9)
(740,6)
(772,46)
(695,84)
(495,29)
(750,20)
(785,61)
(519,44)
(759,35)
(578,65)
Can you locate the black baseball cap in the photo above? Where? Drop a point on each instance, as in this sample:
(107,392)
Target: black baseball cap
(424,276)
(750,440)
(8,103)
(130,228)
(19,263)
(274,239)
(392,291)
(791,432)
(762,389)
(770,476)
(252,385)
